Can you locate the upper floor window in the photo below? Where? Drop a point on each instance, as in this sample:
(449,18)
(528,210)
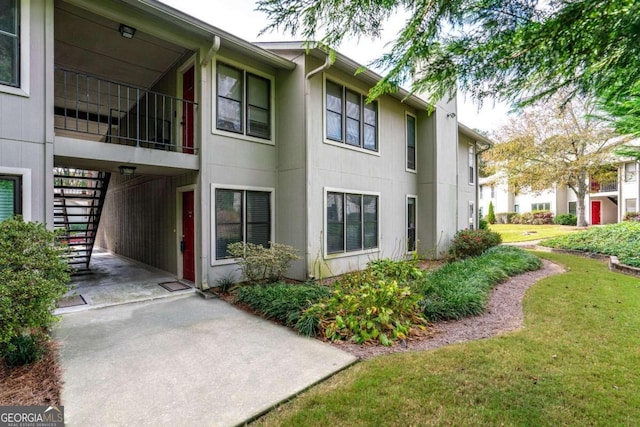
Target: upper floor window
(10,42)
(630,171)
(352,222)
(480,190)
(349,119)
(493,191)
(472,164)
(411,143)
(10,196)
(241,216)
(243,102)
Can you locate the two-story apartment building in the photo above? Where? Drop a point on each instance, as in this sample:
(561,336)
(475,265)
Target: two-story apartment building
(163,139)
(606,202)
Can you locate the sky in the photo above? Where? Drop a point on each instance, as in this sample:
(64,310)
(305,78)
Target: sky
(239,18)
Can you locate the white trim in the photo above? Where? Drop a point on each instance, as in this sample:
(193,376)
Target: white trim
(179,192)
(25,177)
(471,155)
(25,53)
(217,262)
(191,62)
(472,215)
(343,144)
(415,143)
(406,221)
(214,101)
(324,225)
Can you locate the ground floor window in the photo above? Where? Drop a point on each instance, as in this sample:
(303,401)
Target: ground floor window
(10,196)
(241,216)
(352,222)
(630,205)
(540,206)
(573,208)
(411,224)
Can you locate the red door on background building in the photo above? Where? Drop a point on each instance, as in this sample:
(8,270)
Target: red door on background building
(188,244)
(188,90)
(595,212)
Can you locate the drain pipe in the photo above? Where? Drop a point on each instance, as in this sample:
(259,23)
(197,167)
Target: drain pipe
(215,46)
(327,63)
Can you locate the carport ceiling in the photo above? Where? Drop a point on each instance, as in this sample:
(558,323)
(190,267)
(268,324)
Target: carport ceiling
(91,44)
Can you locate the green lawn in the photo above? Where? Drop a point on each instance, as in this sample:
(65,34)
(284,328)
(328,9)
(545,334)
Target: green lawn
(575,363)
(523,233)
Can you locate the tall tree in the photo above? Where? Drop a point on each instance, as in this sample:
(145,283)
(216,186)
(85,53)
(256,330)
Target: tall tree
(514,50)
(555,143)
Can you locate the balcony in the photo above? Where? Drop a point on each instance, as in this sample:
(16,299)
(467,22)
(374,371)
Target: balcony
(99,110)
(604,187)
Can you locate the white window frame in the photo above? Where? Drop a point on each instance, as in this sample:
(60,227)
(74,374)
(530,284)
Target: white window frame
(472,215)
(569,207)
(472,164)
(214,101)
(214,187)
(24,52)
(406,217)
(343,254)
(627,173)
(626,205)
(25,177)
(415,143)
(537,204)
(344,144)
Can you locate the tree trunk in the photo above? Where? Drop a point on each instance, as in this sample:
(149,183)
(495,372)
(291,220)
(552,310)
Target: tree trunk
(580,207)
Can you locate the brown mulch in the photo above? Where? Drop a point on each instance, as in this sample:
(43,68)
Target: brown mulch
(39,383)
(504,314)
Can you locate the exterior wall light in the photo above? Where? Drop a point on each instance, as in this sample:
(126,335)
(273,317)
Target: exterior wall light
(127,170)
(126,31)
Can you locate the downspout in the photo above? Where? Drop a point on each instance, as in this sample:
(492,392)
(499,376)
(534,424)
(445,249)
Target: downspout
(308,255)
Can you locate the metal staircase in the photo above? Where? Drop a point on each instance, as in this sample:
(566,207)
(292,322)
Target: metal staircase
(78,201)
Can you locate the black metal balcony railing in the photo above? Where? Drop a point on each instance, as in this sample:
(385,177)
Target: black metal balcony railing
(120,114)
(605,187)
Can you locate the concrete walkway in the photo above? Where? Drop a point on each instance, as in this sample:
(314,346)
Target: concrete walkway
(183,361)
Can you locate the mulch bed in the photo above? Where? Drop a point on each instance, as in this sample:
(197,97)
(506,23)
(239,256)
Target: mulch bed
(39,383)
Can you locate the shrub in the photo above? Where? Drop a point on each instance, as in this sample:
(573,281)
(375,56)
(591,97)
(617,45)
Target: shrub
(401,271)
(24,349)
(632,216)
(468,243)
(281,301)
(461,288)
(534,218)
(483,224)
(259,263)
(506,217)
(565,219)
(491,216)
(621,240)
(365,309)
(33,277)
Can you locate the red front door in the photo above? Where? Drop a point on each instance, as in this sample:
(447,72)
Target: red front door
(595,212)
(188,90)
(188,244)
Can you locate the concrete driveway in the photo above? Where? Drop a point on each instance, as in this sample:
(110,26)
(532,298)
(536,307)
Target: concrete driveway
(183,361)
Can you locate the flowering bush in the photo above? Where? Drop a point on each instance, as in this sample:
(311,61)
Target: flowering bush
(467,243)
(632,216)
(259,263)
(533,218)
